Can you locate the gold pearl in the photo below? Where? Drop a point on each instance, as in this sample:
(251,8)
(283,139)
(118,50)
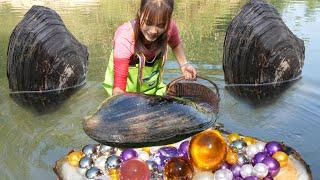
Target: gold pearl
(114,174)
(74,158)
(249,140)
(281,157)
(207,150)
(233,137)
(146,149)
(232,157)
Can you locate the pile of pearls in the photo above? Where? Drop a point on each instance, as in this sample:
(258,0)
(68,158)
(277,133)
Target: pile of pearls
(243,158)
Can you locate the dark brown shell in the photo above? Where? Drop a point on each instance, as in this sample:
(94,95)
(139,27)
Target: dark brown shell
(261,54)
(137,120)
(46,63)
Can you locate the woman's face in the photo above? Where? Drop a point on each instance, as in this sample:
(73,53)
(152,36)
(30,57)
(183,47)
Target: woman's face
(151,30)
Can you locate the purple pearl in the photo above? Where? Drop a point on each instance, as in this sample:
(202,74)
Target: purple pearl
(237,178)
(225,166)
(274,172)
(251,178)
(164,154)
(168,151)
(235,169)
(184,149)
(259,157)
(273,166)
(268,178)
(128,154)
(273,146)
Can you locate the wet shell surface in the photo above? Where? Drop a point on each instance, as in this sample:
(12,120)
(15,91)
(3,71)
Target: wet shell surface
(137,120)
(46,63)
(261,57)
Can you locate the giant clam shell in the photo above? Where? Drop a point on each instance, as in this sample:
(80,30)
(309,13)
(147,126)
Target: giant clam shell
(46,63)
(261,55)
(137,120)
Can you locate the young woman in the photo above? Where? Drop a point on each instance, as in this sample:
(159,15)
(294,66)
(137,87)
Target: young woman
(140,50)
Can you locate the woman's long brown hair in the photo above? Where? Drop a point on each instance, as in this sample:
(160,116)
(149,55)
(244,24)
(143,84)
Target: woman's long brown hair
(153,11)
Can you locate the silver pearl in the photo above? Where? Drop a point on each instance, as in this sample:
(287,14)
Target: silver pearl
(152,165)
(113,162)
(85,162)
(93,172)
(89,150)
(157,175)
(104,149)
(238,146)
(242,159)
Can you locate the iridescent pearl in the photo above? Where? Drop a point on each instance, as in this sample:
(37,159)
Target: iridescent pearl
(105,150)
(260,170)
(223,174)
(251,150)
(260,145)
(203,175)
(246,170)
(100,162)
(143,155)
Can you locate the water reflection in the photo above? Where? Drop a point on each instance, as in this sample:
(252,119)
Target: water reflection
(30,143)
(18,5)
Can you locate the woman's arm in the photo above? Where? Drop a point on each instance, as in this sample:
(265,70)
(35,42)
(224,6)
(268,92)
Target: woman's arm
(121,67)
(188,71)
(123,49)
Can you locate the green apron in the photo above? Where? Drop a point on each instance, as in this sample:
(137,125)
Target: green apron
(148,80)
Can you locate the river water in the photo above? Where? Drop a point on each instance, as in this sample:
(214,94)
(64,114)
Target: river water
(31,143)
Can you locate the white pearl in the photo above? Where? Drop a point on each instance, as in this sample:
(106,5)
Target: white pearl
(260,170)
(82,171)
(251,150)
(223,174)
(154,149)
(246,170)
(261,146)
(205,175)
(100,162)
(143,155)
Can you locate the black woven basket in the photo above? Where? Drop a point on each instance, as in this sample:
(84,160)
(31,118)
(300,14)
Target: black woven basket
(195,91)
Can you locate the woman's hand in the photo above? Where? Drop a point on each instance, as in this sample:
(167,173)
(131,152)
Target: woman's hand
(117,91)
(188,71)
